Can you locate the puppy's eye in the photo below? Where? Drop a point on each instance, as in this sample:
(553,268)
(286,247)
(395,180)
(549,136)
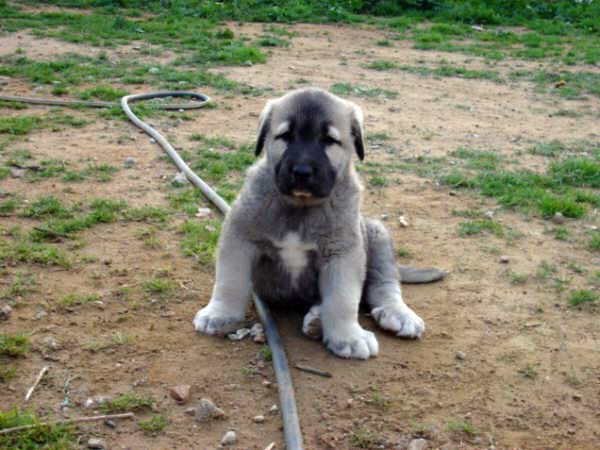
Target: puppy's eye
(330,140)
(286,135)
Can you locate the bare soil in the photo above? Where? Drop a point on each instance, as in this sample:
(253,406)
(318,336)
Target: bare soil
(413,388)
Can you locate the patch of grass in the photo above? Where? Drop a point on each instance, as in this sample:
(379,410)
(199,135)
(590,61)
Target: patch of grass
(13,344)
(518,278)
(200,240)
(550,204)
(8,207)
(384,43)
(158,286)
(21,285)
(71,300)
(105,93)
(594,243)
(7,374)
(272,41)
(154,425)
(529,371)
(465,427)
(18,125)
(186,199)
(347,89)
(32,253)
(378,181)
(546,270)
(56,437)
(364,438)
(127,402)
(582,172)
(550,149)
(582,296)
(382,65)
(47,169)
(402,252)
(453,71)
(475,227)
(478,159)
(147,213)
(45,207)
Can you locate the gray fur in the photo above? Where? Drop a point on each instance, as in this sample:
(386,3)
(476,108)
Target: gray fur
(312,248)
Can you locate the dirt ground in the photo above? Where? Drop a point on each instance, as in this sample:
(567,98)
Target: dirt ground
(413,388)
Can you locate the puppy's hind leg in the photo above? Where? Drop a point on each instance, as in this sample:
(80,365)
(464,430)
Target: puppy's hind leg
(383,292)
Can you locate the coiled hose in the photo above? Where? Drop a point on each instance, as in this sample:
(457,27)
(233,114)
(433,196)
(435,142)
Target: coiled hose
(287,399)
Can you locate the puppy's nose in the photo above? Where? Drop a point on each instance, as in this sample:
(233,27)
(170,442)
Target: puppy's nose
(302,171)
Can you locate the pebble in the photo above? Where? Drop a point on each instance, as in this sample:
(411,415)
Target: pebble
(504,259)
(181,393)
(239,334)
(206,410)
(180,179)
(51,344)
(96,443)
(110,424)
(94,401)
(274,409)
(489,214)
(403,221)
(558,218)
(203,212)
(258,333)
(267,383)
(129,162)
(40,315)
(258,419)
(153,70)
(229,438)
(460,355)
(418,444)
(453,194)
(5,312)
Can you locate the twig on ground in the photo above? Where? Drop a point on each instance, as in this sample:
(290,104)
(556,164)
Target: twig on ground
(68,422)
(36,382)
(321,373)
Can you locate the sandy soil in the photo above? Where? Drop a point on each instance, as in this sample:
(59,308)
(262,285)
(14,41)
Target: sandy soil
(414,388)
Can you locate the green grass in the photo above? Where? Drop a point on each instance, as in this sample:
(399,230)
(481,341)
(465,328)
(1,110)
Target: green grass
(582,296)
(550,149)
(8,207)
(104,93)
(21,285)
(347,89)
(18,125)
(13,344)
(465,427)
(45,207)
(55,437)
(478,159)
(594,243)
(453,71)
(147,213)
(200,240)
(154,425)
(127,402)
(529,371)
(22,125)
(7,374)
(72,300)
(158,286)
(475,227)
(23,251)
(382,65)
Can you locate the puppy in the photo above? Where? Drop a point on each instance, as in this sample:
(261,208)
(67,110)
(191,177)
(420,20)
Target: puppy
(296,236)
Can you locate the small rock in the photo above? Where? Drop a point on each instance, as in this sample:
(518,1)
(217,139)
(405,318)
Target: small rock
(258,419)
(129,162)
(558,218)
(207,410)
(267,383)
(403,221)
(153,70)
(418,444)
(274,409)
(229,438)
(110,424)
(577,397)
(203,212)
(349,403)
(5,312)
(239,334)
(453,194)
(384,217)
(40,315)
(96,400)
(51,344)
(180,179)
(504,259)
(460,355)
(181,393)
(96,443)
(489,214)
(4,81)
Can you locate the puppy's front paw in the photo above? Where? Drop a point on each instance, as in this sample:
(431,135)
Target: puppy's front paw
(215,320)
(311,325)
(352,342)
(400,320)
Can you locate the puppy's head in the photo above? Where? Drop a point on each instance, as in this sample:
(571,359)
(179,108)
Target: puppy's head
(309,137)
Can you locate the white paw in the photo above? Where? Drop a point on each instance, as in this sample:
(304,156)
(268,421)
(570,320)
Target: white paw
(215,320)
(311,325)
(351,342)
(400,320)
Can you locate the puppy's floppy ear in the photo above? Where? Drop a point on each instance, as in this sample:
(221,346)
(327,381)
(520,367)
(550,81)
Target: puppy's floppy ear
(264,126)
(357,131)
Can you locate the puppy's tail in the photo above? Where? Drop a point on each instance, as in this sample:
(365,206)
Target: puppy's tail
(413,275)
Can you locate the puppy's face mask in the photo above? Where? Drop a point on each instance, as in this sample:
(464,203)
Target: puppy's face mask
(310,137)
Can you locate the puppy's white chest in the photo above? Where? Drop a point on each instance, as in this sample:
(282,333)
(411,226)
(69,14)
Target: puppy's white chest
(294,253)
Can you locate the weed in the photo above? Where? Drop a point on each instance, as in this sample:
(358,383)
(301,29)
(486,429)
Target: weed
(582,296)
(105,93)
(154,425)
(72,300)
(7,207)
(272,41)
(34,253)
(265,353)
(13,344)
(475,227)
(45,207)
(7,374)
(478,159)
(55,437)
(518,278)
(465,427)
(21,285)
(200,239)
(18,125)
(363,438)
(545,270)
(147,214)
(127,402)
(384,43)
(382,65)
(529,371)
(550,149)
(378,181)
(595,241)
(577,172)
(402,252)
(346,89)
(158,286)
(561,233)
